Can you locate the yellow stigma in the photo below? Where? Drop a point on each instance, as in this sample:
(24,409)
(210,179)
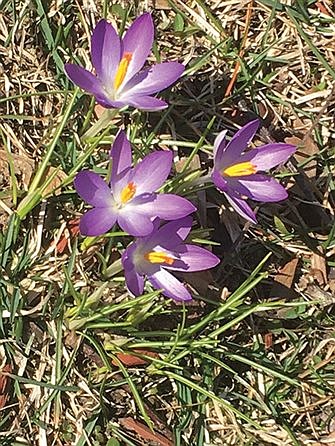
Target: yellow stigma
(122,70)
(128,192)
(240,169)
(158,257)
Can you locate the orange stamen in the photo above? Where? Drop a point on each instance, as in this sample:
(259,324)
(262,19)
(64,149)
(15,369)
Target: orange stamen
(128,192)
(158,257)
(122,70)
(240,170)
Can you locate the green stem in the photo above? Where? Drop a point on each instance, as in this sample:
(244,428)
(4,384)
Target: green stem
(102,122)
(51,148)
(33,196)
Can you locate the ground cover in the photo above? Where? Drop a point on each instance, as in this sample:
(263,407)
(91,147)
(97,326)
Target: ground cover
(250,360)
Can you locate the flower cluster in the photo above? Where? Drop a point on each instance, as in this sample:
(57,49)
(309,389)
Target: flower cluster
(131,200)
(159,222)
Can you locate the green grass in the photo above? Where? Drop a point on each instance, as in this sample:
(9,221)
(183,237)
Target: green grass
(238,366)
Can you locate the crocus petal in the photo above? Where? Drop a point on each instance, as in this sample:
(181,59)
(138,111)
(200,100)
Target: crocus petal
(154,79)
(236,145)
(171,286)
(240,206)
(147,103)
(90,83)
(219,146)
(134,281)
(92,188)
(121,156)
(84,79)
(165,206)
(97,221)
(105,52)
(219,181)
(168,207)
(268,156)
(138,41)
(171,234)
(259,187)
(193,258)
(150,173)
(134,223)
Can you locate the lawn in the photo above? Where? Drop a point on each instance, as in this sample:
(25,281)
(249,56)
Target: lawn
(87,357)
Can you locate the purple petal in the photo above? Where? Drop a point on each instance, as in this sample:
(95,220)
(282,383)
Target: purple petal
(134,223)
(121,155)
(93,189)
(108,103)
(168,207)
(164,206)
(194,258)
(90,83)
(150,173)
(143,203)
(154,79)
(219,181)
(171,286)
(237,144)
(84,79)
(240,206)
(138,40)
(219,146)
(134,281)
(269,156)
(147,103)
(171,234)
(119,183)
(97,221)
(259,187)
(105,52)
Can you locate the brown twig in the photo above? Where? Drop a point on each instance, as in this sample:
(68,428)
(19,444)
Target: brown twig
(242,50)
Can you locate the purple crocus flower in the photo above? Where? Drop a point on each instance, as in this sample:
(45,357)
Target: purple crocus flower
(235,171)
(130,199)
(164,250)
(118,64)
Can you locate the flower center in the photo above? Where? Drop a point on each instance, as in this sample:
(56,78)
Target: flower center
(122,70)
(158,257)
(128,192)
(240,169)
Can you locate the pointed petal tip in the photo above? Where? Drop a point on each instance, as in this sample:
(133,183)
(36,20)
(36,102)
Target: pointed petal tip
(172,207)
(241,206)
(101,23)
(146,103)
(145,17)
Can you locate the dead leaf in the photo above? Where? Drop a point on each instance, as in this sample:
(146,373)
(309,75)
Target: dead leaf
(55,182)
(284,280)
(268,340)
(306,147)
(318,268)
(199,280)
(326,441)
(71,231)
(144,434)
(331,279)
(325,8)
(160,4)
(194,164)
(130,360)
(98,110)
(23,168)
(4,383)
